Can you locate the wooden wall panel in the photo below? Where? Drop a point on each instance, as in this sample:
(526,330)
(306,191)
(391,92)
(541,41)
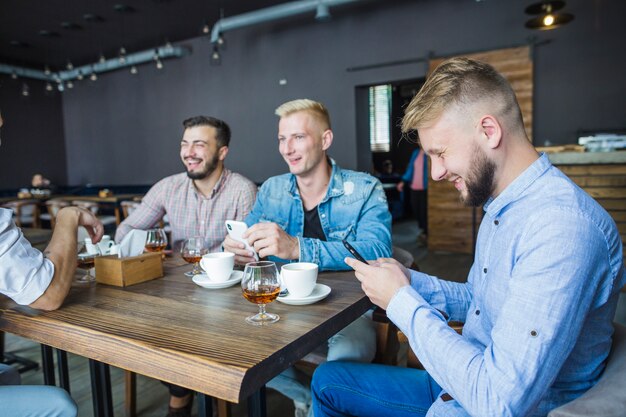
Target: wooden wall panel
(450,224)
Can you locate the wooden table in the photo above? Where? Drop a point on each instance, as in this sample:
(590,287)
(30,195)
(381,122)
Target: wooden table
(176,331)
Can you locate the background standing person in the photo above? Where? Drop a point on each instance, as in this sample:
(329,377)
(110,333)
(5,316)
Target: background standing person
(542,292)
(416,175)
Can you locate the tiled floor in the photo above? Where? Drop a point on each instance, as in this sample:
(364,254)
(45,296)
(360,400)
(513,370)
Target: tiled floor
(152,395)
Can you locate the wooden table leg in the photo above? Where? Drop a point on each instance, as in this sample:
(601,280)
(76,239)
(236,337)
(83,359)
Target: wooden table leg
(101,389)
(223,408)
(256,404)
(130,403)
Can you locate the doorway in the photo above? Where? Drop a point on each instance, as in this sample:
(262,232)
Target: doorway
(380,108)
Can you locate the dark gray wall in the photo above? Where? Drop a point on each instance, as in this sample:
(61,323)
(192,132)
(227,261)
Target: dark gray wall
(32,135)
(125,129)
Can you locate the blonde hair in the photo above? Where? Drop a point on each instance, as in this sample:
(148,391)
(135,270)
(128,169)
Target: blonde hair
(462,81)
(314,108)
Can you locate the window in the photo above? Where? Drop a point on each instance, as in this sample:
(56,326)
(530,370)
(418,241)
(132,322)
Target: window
(380,115)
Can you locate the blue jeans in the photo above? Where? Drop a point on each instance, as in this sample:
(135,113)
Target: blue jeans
(32,400)
(355,342)
(358,389)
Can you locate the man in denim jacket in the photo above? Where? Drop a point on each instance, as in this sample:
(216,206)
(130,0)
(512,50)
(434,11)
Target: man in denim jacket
(304,215)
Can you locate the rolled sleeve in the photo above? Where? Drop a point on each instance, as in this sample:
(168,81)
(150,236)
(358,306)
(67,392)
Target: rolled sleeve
(25,273)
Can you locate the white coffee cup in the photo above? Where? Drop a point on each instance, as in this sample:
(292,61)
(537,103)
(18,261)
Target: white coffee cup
(114,249)
(299,278)
(218,265)
(91,248)
(105,244)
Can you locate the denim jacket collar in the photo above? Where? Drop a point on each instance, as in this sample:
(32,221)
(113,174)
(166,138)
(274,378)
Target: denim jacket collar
(335,186)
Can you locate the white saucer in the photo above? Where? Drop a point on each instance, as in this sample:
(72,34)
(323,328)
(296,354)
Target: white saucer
(204,281)
(320,292)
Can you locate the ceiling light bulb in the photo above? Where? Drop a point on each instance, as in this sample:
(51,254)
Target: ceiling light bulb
(61,87)
(122,51)
(215,55)
(79,76)
(48,86)
(159,64)
(93,76)
(206,29)
(220,40)
(46,70)
(102,59)
(168,46)
(25,90)
(133,70)
(69,84)
(69,66)
(548,20)
(156,55)
(14,75)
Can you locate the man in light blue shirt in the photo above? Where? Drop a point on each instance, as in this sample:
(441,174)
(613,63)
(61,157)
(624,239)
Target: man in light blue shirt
(541,293)
(304,215)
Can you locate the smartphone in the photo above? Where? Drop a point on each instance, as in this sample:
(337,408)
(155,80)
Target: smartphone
(353,251)
(236,230)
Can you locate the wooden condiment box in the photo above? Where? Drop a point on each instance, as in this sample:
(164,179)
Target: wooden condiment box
(123,272)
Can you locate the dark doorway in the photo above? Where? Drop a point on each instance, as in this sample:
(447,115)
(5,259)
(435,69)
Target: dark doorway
(389,164)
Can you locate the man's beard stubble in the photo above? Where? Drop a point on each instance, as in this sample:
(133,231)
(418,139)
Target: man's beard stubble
(210,167)
(480,182)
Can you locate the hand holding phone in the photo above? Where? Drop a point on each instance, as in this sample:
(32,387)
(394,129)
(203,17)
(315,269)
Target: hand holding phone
(236,230)
(353,251)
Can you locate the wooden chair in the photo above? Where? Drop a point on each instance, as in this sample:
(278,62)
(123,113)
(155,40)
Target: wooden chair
(25,212)
(53,206)
(129,206)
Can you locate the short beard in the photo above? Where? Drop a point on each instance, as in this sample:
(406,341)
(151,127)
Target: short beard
(206,172)
(480,183)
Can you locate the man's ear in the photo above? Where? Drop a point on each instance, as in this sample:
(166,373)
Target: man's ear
(223,151)
(327,139)
(491,131)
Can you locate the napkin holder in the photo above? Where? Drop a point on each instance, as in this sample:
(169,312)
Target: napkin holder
(131,270)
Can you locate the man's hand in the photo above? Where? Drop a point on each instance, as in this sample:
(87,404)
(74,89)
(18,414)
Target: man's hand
(400,186)
(269,239)
(381,280)
(242,256)
(87,219)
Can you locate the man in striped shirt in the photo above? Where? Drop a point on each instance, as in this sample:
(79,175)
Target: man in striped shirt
(197,203)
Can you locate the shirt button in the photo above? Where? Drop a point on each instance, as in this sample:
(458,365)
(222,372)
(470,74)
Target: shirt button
(477,312)
(323,215)
(533,333)
(485,270)
(496,222)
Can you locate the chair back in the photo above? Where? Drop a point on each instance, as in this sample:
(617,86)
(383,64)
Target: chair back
(25,212)
(608,397)
(53,206)
(129,206)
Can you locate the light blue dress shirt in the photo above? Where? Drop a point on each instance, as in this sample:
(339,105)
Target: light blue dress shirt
(354,208)
(537,305)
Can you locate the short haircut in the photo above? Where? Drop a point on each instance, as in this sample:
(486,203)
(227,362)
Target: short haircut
(222,134)
(462,81)
(316,109)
